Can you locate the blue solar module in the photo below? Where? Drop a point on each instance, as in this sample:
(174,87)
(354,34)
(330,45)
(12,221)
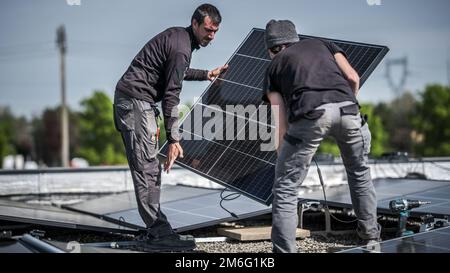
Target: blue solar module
(186,208)
(56,217)
(230,156)
(434,241)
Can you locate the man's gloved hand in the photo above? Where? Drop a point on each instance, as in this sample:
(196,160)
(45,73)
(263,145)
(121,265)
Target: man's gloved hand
(173,153)
(213,74)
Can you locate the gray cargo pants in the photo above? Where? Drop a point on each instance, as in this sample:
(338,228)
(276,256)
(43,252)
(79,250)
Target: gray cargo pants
(137,122)
(343,122)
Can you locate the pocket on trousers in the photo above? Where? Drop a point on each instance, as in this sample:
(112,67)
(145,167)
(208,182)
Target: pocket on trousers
(351,109)
(124,116)
(351,122)
(149,135)
(367,138)
(350,117)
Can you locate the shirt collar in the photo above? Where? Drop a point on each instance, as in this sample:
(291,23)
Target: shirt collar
(194,42)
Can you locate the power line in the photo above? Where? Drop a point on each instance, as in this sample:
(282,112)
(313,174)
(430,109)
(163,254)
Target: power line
(27,56)
(14,50)
(15,46)
(104,44)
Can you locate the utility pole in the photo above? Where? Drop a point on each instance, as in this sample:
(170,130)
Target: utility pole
(62,46)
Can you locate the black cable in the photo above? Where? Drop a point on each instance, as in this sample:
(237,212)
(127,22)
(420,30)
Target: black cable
(228,198)
(121,220)
(325,197)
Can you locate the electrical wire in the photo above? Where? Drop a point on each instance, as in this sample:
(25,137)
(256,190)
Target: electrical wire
(28,55)
(20,48)
(235,195)
(229,197)
(325,197)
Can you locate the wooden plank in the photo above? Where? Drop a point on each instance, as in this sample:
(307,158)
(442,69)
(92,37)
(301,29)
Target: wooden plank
(255,233)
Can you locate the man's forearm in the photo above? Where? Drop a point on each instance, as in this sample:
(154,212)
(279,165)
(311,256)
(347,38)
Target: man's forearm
(196,75)
(279,111)
(281,132)
(170,112)
(172,129)
(354,83)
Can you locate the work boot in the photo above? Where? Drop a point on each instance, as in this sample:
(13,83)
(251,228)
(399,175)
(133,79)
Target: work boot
(172,242)
(186,237)
(372,245)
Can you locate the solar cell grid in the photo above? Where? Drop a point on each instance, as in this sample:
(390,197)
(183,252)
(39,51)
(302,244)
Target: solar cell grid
(434,241)
(234,162)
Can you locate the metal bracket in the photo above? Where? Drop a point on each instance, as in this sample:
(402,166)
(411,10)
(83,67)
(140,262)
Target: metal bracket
(328,230)
(308,205)
(430,223)
(37,233)
(305,207)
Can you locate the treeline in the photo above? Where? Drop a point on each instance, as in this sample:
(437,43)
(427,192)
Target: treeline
(92,134)
(419,126)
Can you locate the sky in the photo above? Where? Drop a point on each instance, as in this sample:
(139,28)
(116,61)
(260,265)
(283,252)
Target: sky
(104,36)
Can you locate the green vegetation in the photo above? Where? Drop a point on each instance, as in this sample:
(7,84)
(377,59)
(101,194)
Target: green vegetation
(419,126)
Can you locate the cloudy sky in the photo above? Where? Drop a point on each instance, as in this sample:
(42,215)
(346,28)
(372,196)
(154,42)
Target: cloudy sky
(104,36)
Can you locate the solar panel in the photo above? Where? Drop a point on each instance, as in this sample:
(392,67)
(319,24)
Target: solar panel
(56,217)
(439,196)
(13,246)
(196,212)
(434,241)
(185,207)
(127,200)
(387,189)
(217,139)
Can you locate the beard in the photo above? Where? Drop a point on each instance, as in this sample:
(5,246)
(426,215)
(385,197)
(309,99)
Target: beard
(205,43)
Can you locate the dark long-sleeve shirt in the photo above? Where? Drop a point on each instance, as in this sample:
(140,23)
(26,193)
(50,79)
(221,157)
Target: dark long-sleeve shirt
(157,73)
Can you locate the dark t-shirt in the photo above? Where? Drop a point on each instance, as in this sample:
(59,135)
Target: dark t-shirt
(307,76)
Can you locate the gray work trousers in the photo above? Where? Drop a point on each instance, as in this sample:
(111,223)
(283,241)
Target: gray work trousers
(343,122)
(137,122)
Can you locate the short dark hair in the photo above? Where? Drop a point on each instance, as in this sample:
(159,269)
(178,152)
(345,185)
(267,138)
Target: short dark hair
(206,10)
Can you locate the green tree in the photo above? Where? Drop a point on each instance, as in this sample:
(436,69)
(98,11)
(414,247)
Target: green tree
(329,146)
(433,122)
(7,133)
(15,135)
(379,135)
(184,110)
(46,136)
(100,143)
(396,117)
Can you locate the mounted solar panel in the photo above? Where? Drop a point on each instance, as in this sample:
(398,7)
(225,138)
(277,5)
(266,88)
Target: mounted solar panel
(186,208)
(434,241)
(218,137)
(387,189)
(56,217)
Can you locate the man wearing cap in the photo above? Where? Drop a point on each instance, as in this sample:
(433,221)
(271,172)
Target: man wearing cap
(156,75)
(312,89)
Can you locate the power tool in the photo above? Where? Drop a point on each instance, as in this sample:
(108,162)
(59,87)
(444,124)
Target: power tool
(403,208)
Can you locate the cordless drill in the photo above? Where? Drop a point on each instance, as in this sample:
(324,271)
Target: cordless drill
(403,207)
